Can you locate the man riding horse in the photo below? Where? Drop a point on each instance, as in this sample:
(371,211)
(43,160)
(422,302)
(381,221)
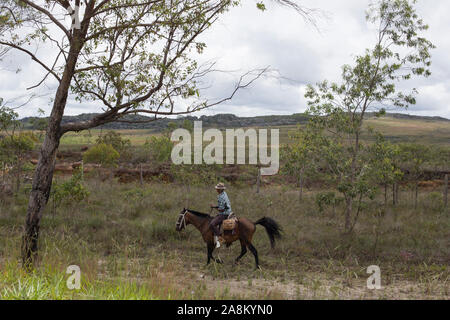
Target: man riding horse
(209,227)
(224,208)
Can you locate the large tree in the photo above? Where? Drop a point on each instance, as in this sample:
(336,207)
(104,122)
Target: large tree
(134,56)
(400,52)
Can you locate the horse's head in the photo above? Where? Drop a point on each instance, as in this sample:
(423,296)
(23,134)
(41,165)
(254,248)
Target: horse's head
(181,221)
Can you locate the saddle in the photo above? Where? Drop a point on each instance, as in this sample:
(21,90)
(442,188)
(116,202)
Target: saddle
(229,224)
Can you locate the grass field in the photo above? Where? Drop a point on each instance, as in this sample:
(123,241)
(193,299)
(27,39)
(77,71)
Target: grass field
(419,131)
(137,137)
(124,240)
(396,130)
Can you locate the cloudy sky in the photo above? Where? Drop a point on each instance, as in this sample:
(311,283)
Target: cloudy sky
(247,38)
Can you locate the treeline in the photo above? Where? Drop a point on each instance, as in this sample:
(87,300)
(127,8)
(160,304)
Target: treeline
(219,120)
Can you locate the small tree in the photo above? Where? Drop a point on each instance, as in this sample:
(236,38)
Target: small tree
(159,148)
(171,126)
(188,125)
(440,156)
(70,190)
(415,157)
(383,157)
(14,147)
(9,122)
(299,157)
(39,124)
(339,109)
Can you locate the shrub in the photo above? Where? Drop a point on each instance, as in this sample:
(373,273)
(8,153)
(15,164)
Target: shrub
(70,190)
(114,139)
(103,154)
(327,199)
(436,201)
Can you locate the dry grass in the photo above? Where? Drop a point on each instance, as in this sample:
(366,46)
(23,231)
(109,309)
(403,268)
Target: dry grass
(125,234)
(396,130)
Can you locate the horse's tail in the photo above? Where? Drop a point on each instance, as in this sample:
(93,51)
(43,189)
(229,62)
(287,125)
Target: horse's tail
(272,228)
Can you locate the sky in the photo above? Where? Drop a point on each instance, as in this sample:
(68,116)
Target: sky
(246,38)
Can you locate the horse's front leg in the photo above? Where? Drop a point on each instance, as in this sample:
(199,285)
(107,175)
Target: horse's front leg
(211,248)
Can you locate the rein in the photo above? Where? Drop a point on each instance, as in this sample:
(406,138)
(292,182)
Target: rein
(183,219)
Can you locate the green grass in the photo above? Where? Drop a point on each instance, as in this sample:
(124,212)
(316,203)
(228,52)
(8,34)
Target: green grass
(136,137)
(124,240)
(48,283)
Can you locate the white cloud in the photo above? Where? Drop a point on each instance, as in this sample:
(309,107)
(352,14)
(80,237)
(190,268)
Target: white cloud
(246,38)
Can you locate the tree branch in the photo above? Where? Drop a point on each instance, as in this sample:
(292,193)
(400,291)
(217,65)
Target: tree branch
(48,14)
(33,57)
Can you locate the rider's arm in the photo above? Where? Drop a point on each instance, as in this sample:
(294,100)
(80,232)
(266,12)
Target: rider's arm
(222,205)
(218,208)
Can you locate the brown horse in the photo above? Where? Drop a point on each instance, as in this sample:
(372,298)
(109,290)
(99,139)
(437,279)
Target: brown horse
(243,232)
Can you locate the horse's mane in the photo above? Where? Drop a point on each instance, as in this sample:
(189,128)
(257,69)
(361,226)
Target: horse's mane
(199,214)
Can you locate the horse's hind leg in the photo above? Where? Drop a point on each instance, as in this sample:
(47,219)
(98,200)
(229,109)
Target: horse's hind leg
(243,251)
(255,253)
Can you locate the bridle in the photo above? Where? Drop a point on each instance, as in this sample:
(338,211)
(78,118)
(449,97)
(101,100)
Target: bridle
(182,221)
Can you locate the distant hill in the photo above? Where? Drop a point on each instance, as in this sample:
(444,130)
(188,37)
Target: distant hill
(219,120)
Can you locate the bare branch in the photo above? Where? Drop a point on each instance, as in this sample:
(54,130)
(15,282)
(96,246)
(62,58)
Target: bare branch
(33,57)
(117,113)
(45,77)
(307,13)
(48,14)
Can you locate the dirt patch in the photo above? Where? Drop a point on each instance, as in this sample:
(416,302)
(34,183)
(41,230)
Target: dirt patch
(319,286)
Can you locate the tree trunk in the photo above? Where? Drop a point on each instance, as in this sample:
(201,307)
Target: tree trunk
(4,174)
(397,188)
(348,214)
(40,192)
(258,180)
(416,194)
(43,174)
(385,195)
(393,194)
(18,171)
(82,170)
(446,192)
(349,198)
(300,183)
(394,199)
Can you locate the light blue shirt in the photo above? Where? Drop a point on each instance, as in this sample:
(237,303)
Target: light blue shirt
(224,203)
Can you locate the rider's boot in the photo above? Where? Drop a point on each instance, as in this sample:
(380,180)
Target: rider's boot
(216,239)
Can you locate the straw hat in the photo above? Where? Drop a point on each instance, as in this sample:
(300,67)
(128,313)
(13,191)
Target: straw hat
(220,186)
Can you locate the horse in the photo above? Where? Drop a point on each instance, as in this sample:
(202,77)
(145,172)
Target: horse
(243,232)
